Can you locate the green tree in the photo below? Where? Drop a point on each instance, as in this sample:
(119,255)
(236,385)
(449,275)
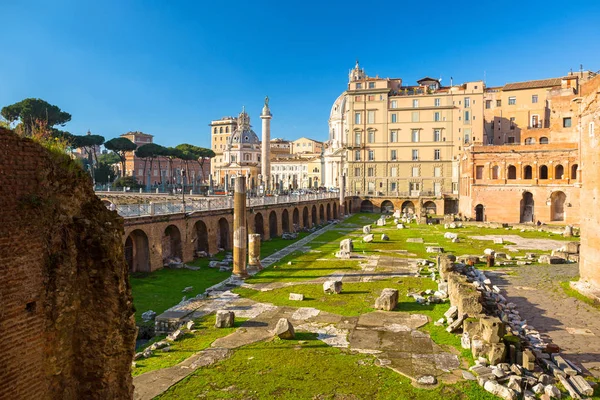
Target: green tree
(195,153)
(88,143)
(150,152)
(29,111)
(127,181)
(105,171)
(120,146)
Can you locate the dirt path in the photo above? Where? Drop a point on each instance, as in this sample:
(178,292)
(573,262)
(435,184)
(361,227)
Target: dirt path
(568,322)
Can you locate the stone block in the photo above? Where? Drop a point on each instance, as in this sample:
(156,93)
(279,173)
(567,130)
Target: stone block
(381,222)
(284,329)
(224,319)
(368,238)
(499,390)
(450,235)
(452,312)
(571,247)
(367,229)
(388,300)
(472,327)
(496,353)
(528,360)
(384,237)
(455,325)
(296,297)
(347,245)
(332,287)
(492,329)
(582,386)
(148,316)
(178,334)
(552,392)
(546,259)
(399,226)
(343,254)
(434,249)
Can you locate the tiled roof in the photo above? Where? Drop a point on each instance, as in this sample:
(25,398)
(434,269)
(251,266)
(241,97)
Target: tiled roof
(541,83)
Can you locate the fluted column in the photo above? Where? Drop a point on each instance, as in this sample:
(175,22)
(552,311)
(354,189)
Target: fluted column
(239,228)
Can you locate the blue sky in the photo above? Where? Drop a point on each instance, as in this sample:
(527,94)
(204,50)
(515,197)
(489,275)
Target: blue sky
(168,68)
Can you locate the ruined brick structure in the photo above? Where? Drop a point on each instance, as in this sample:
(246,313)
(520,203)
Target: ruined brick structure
(588,106)
(66,319)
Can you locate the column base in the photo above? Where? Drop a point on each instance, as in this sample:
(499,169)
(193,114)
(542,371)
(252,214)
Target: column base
(241,275)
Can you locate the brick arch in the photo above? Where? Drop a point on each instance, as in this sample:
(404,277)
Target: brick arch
(273,228)
(335,210)
(259,225)
(224,238)
(285,221)
(296,218)
(305,217)
(171,243)
(137,251)
(328,212)
(200,236)
(321,214)
(313,215)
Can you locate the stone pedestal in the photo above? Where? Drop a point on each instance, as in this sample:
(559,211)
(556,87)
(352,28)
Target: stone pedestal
(254,251)
(239,228)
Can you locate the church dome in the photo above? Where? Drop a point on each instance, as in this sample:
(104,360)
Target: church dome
(338,108)
(243,134)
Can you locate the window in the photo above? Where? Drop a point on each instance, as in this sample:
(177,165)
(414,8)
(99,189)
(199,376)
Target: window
(530,140)
(357,155)
(543,140)
(394,118)
(394,104)
(414,136)
(534,98)
(215,130)
(437,172)
(393,136)
(357,98)
(394,171)
(359,85)
(495,172)
(415,172)
(356,171)
(221,130)
(393,155)
(140,172)
(371,98)
(512,172)
(393,186)
(512,123)
(454,187)
(436,102)
(467,116)
(415,103)
(574,171)
(488,104)
(371,137)
(437,133)
(498,103)
(567,122)
(415,155)
(370,171)
(357,138)
(371,155)
(436,154)
(414,186)
(371,186)
(436,116)
(479,172)
(543,172)
(371,85)
(371,117)
(415,116)
(467,102)
(357,118)
(467,136)
(437,188)
(512,100)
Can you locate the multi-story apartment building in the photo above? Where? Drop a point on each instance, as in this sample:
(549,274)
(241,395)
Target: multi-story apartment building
(297,172)
(280,148)
(306,145)
(404,140)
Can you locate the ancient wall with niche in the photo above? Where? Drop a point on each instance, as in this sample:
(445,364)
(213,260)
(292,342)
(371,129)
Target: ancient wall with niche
(66,320)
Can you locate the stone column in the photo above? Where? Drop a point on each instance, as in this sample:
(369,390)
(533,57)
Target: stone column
(266,145)
(254,251)
(211,189)
(343,210)
(226,184)
(239,228)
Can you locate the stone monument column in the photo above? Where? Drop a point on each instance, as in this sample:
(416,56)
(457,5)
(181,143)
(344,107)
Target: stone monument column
(266,145)
(254,251)
(239,228)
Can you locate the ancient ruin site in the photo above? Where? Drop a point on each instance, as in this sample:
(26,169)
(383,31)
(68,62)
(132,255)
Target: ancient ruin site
(227,200)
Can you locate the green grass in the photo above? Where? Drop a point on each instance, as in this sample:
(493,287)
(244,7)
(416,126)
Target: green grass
(182,349)
(569,291)
(355,299)
(307,369)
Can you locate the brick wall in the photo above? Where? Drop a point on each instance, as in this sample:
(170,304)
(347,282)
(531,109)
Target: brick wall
(66,319)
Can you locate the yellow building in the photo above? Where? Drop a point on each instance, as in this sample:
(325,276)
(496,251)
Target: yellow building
(306,145)
(404,140)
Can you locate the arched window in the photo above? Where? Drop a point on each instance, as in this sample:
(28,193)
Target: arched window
(495,172)
(543,140)
(528,172)
(221,130)
(512,172)
(215,130)
(543,172)
(226,129)
(574,171)
(530,140)
(559,172)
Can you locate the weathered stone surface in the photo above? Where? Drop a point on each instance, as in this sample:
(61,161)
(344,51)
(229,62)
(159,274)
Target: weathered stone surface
(463,295)
(427,380)
(367,229)
(450,235)
(434,249)
(368,238)
(332,287)
(178,334)
(347,245)
(528,360)
(381,222)
(581,385)
(457,323)
(384,237)
(64,281)
(388,300)
(465,341)
(452,312)
(224,319)
(571,247)
(501,391)
(492,329)
(148,316)
(552,391)
(284,329)
(296,297)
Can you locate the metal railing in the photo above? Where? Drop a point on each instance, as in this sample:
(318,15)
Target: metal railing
(210,203)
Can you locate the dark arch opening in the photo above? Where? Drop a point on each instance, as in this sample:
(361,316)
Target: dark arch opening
(349,209)
(223,235)
(528,172)
(527,207)
(273,231)
(259,225)
(512,172)
(387,206)
(366,206)
(558,206)
(543,172)
(314,215)
(328,212)
(296,219)
(408,207)
(321,214)
(479,216)
(430,207)
(559,171)
(285,221)
(335,211)
(305,221)
(574,171)
(137,251)
(171,243)
(201,236)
